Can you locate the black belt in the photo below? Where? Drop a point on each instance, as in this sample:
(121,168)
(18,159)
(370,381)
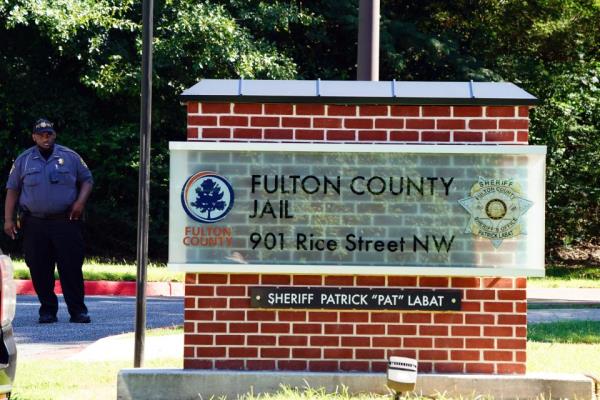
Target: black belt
(63,215)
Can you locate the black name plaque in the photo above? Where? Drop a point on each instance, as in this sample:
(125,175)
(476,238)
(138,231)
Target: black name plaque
(356,298)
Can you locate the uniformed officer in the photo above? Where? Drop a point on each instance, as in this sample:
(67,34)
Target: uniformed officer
(51,184)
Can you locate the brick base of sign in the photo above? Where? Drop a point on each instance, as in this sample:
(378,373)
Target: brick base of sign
(222,331)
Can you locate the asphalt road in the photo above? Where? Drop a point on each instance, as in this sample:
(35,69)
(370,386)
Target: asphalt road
(567,314)
(111,315)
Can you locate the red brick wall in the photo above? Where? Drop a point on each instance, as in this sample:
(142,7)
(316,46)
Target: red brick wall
(221,330)
(365,123)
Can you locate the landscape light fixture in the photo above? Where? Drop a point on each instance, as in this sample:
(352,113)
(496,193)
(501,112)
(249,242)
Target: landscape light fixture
(401,375)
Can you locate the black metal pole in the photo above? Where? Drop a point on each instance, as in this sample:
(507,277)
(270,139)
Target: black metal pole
(368,41)
(143,184)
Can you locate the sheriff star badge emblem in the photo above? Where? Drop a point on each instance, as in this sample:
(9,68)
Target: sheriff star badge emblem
(496,207)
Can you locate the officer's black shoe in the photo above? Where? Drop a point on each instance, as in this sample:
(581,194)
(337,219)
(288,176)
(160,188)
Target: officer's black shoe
(47,319)
(82,318)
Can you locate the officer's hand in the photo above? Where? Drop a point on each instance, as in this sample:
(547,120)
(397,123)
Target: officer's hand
(10,229)
(76,211)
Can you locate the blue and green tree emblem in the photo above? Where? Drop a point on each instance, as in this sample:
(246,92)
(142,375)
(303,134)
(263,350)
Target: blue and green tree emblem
(207,197)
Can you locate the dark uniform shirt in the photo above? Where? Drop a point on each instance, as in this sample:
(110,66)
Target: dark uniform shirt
(48,186)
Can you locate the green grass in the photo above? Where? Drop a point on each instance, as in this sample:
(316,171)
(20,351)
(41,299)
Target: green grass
(564,347)
(341,393)
(586,332)
(94,271)
(308,393)
(558,276)
(49,379)
(571,358)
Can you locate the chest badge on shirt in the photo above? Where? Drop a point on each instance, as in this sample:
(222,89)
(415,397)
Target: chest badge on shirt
(61,161)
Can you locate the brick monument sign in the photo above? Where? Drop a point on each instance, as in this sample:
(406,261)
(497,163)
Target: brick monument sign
(326,226)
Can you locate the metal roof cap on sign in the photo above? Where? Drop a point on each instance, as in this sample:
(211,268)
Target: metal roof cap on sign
(359,92)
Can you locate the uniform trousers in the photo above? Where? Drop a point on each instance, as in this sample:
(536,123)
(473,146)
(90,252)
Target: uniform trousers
(50,242)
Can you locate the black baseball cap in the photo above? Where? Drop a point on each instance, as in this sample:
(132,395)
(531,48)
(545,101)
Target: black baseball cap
(43,125)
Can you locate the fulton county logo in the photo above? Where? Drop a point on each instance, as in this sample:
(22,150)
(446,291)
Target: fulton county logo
(496,207)
(207,197)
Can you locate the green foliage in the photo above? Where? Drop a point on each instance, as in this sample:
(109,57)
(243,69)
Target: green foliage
(568,121)
(78,64)
(551,48)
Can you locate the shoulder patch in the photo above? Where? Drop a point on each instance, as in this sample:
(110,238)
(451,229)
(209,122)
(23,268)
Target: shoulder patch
(12,169)
(83,162)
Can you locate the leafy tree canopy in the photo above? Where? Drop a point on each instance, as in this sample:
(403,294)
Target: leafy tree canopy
(77,62)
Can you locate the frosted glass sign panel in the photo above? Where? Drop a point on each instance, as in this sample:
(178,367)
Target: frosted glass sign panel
(353,209)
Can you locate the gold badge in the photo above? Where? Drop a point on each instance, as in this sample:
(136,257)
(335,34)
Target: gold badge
(496,207)
(61,161)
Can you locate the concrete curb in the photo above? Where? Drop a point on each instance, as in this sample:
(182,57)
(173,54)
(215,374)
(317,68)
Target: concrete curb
(178,384)
(110,288)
